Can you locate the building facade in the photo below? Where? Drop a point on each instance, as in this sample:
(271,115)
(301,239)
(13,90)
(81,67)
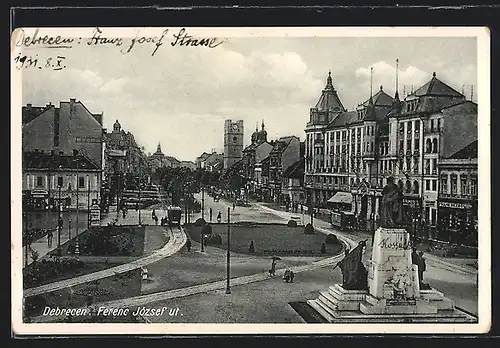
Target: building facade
(457,198)
(285,152)
(356,151)
(233,142)
(52,181)
(63,129)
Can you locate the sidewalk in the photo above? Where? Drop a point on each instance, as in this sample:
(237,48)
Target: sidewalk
(41,245)
(175,243)
(457,265)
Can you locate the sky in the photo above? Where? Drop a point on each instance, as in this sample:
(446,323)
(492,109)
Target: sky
(181,96)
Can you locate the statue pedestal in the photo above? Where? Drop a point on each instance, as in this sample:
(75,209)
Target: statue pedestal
(393,293)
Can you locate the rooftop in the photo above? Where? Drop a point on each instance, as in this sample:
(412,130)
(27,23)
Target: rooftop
(44,160)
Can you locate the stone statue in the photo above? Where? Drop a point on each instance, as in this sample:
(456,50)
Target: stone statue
(354,273)
(391,207)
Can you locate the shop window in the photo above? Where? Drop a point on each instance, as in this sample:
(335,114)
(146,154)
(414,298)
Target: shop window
(39,181)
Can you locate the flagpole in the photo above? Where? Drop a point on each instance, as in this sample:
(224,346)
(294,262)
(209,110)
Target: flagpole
(228,261)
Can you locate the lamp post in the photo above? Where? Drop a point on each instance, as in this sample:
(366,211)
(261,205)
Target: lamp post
(202,202)
(59,221)
(228,289)
(139,206)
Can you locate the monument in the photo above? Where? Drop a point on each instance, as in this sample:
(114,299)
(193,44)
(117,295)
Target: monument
(390,290)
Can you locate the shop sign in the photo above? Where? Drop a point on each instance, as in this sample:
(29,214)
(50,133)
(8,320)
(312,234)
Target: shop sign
(411,202)
(454,205)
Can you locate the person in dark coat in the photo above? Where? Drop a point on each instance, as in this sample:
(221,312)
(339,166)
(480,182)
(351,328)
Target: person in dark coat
(422,266)
(188,245)
(50,235)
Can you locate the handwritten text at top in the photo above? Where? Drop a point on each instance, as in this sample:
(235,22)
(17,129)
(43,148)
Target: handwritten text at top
(180,38)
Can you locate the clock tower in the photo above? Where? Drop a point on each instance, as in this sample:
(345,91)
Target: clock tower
(233,142)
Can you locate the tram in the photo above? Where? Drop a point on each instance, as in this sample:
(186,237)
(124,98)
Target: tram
(174,214)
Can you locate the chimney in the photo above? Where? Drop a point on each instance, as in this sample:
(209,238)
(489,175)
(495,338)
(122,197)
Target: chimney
(28,106)
(49,104)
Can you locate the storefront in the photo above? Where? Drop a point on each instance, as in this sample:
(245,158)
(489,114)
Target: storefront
(35,200)
(457,222)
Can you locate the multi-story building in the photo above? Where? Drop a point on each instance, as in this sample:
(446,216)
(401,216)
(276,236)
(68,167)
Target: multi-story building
(188,164)
(254,153)
(431,123)
(262,188)
(356,151)
(57,180)
(457,197)
(293,184)
(285,152)
(340,149)
(63,129)
(210,161)
(233,142)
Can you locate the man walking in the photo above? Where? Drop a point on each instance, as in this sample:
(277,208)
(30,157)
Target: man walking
(188,245)
(50,235)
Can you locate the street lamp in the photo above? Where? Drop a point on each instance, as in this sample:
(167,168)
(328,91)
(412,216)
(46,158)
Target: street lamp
(59,221)
(228,289)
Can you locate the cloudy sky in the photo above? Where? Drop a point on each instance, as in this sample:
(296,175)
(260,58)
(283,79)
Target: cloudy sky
(181,96)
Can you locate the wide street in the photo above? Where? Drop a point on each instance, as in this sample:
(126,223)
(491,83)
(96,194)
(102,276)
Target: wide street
(453,277)
(195,282)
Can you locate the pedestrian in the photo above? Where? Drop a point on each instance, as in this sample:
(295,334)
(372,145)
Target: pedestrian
(210,213)
(124,213)
(422,266)
(272,271)
(156,220)
(188,245)
(414,256)
(219,216)
(234,205)
(153,214)
(50,235)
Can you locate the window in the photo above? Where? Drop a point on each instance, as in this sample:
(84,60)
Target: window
(417,126)
(453,184)
(428,146)
(408,144)
(444,183)
(401,145)
(432,125)
(427,166)
(473,186)
(39,181)
(415,166)
(416,143)
(408,186)
(435,145)
(60,181)
(428,185)
(438,124)
(464,187)
(81,182)
(434,166)
(235,139)
(434,185)
(408,164)
(409,128)
(415,187)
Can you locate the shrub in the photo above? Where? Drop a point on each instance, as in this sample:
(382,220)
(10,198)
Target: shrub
(292,223)
(213,239)
(309,229)
(323,248)
(200,222)
(331,239)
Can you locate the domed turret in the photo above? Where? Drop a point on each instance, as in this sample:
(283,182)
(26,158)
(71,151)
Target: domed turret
(255,135)
(262,137)
(117,127)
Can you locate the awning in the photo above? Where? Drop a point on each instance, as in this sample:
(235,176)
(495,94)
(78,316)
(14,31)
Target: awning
(341,197)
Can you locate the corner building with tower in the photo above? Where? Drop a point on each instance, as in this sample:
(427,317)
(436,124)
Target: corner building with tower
(350,154)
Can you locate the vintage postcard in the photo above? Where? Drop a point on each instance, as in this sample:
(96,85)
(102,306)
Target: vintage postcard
(250,180)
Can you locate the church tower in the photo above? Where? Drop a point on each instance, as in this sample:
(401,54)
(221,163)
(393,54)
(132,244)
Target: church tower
(233,142)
